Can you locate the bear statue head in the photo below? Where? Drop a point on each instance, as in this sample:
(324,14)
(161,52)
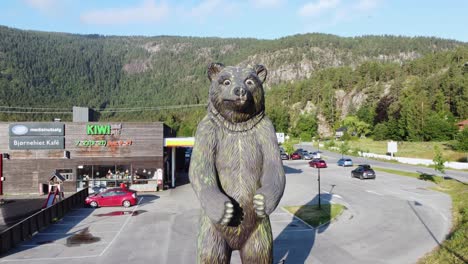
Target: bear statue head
(236,93)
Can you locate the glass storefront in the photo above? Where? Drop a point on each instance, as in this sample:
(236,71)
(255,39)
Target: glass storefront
(98,177)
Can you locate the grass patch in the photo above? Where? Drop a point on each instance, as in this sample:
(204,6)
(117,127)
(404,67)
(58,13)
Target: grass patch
(423,150)
(420,176)
(455,248)
(314,216)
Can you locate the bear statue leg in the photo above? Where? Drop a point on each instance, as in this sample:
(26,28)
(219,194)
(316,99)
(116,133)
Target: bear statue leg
(258,249)
(212,247)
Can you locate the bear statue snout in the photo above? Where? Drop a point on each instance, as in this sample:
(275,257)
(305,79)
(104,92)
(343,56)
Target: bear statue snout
(239,91)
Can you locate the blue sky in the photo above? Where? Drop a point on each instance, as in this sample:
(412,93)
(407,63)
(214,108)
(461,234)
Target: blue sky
(264,19)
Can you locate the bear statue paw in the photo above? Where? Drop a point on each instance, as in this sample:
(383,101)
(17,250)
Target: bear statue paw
(228,213)
(259,205)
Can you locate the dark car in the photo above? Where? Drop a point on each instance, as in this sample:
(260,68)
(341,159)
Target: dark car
(296,156)
(318,163)
(113,197)
(284,155)
(345,162)
(363,171)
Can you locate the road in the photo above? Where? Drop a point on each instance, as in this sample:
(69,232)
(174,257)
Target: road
(456,174)
(392,219)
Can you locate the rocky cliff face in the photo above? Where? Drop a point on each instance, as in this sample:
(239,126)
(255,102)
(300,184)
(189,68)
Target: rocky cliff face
(290,64)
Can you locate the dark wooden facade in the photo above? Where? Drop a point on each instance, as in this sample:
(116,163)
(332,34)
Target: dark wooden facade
(135,144)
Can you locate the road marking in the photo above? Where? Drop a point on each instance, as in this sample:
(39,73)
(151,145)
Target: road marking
(443,216)
(76,257)
(369,191)
(121,228)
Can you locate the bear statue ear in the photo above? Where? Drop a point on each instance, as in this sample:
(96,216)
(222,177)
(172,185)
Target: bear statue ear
(261,72)
(214,69)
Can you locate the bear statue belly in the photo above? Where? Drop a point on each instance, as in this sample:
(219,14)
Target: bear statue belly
(239,165)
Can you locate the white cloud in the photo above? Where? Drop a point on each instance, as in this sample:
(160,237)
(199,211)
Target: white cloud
(316,8)
(44,6)
(147,12)
(266,3)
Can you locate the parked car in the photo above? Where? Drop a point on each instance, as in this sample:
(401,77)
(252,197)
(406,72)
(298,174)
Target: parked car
(188,153)
(113,197)
(304,154)
(315,154)
(345,162)
(295,156)
(363,171)
(284,155)
(318,163)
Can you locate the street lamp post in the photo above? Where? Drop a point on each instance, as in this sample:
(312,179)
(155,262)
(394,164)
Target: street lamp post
(319,203)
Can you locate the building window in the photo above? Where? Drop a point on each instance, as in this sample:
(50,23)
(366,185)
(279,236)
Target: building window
(66,173)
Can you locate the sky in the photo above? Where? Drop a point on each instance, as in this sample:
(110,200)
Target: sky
(261,19)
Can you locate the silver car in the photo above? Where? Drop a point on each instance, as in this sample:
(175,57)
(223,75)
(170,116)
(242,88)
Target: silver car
(305,155)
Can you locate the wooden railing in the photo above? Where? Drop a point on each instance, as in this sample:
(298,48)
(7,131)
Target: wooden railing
(25,229)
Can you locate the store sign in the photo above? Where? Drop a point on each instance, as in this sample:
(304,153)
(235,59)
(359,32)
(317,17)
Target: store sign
(280,137)
(98,129)
(37,143)
(36,129)
(103,143)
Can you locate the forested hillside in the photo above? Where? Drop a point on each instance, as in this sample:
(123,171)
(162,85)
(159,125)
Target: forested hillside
(381,80)
(419,100)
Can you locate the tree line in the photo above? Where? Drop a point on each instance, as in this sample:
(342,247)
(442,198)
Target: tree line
(420,100)
(404,98)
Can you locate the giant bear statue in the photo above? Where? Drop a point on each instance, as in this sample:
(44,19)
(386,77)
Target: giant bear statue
(236,170)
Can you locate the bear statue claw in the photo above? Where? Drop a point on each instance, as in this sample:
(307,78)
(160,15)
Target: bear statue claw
(228,213)
(259,205)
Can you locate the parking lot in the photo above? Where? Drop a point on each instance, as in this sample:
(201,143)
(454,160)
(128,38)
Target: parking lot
(391,219)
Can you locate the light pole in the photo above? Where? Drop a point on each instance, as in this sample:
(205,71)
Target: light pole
(319,203)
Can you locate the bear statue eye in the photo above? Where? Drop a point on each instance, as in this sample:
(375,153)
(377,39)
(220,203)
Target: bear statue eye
(227,82)
(249,82)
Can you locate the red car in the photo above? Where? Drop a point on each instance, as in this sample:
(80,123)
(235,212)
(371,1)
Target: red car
(113,197)
(318,163)
(295,156)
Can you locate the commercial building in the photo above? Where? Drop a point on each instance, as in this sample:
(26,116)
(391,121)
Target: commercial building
(87,154)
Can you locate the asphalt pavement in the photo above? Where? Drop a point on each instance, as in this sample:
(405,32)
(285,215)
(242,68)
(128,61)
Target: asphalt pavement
(392,219)
(455,174)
